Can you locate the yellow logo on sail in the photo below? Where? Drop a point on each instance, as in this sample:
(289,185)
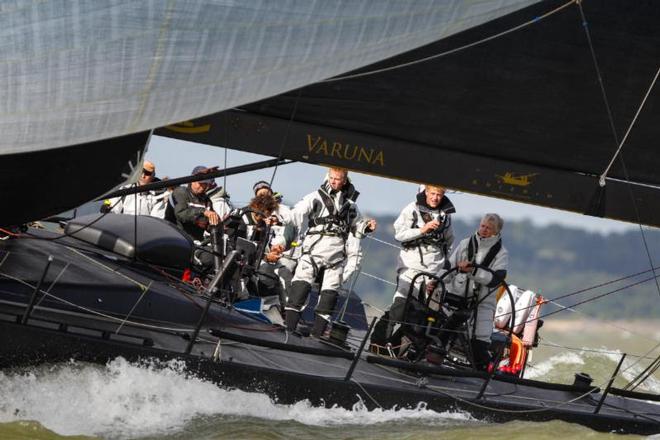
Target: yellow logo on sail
(189,127)
(353,153)
(516,179)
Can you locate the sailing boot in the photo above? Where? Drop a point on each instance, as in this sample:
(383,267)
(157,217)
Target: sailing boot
(320,323)
(481,354)
(326,305)
(291,318)
(296,299)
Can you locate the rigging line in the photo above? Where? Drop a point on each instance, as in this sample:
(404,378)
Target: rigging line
(549,343)
(615,135)
(367,393)
(603,284)
(625,137)
(384,242)
(644,356)
(457,49)
(598,296)
(57,278)
(638,380)
(379,279)
(70,234)
(224,178)
(133,308)
(358,265)
(561,297)
(650,373)
(639,222)
(4,258)
(95,312)
(286,135)
(108,268)
(618,327)
(585,26)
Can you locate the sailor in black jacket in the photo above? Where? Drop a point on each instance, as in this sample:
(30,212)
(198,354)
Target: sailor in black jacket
(193,208)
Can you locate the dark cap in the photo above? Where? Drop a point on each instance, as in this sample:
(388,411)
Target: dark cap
(200,169)
(261,185)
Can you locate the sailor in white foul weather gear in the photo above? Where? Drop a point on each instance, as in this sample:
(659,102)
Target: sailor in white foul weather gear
(426,235)
(479,286)
(332,215)
(142,203)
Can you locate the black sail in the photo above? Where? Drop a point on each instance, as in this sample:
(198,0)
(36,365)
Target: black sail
(522,116)
(43,183)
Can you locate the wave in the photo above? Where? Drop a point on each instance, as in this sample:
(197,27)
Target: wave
(125,400)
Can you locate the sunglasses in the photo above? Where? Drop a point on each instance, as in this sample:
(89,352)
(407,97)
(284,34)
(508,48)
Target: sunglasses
(147,172)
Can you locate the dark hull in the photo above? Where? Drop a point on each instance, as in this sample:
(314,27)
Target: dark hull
(253,356)
(321,379)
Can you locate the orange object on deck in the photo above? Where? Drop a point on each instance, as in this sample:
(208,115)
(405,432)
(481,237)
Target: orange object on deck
(517,356)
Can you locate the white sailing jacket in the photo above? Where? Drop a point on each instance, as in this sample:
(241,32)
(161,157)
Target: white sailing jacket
(479,282)
(427,254)
(147,203)
(325,240)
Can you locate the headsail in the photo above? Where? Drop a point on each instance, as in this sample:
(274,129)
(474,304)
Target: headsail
(521,114)
(79,71)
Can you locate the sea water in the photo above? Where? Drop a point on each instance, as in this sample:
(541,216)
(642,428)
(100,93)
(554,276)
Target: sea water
(126,401)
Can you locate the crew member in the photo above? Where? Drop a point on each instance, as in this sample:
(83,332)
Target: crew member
(142,203)
(193,209)
(332,214)
(478,286)
(253,223)
(426,235)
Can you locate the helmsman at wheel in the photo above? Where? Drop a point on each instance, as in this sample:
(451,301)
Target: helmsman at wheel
(478,285)
(332,215)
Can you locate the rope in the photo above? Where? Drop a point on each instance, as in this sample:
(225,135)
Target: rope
(549,343)
(618,327)
(625,137)
(69,234)
(457,49)
(379,279)
(95,312)
(384,242)
(599,296)
(601,180)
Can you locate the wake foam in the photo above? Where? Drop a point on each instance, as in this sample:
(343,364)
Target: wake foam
(122,400)
(600,365)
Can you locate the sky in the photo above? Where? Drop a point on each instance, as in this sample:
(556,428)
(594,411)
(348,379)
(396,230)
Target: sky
(378,195)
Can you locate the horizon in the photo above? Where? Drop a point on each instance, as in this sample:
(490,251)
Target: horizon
(175,158)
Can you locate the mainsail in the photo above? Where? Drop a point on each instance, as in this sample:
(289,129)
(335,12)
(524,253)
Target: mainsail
(530,107)
(79,71)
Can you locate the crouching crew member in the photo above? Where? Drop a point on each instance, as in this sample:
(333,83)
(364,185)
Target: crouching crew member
(425,232)
(332,214)
(252,223)
(478,285)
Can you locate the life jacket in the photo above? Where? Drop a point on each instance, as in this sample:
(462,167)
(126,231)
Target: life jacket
(336,221)
(473,247)
(427,213)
